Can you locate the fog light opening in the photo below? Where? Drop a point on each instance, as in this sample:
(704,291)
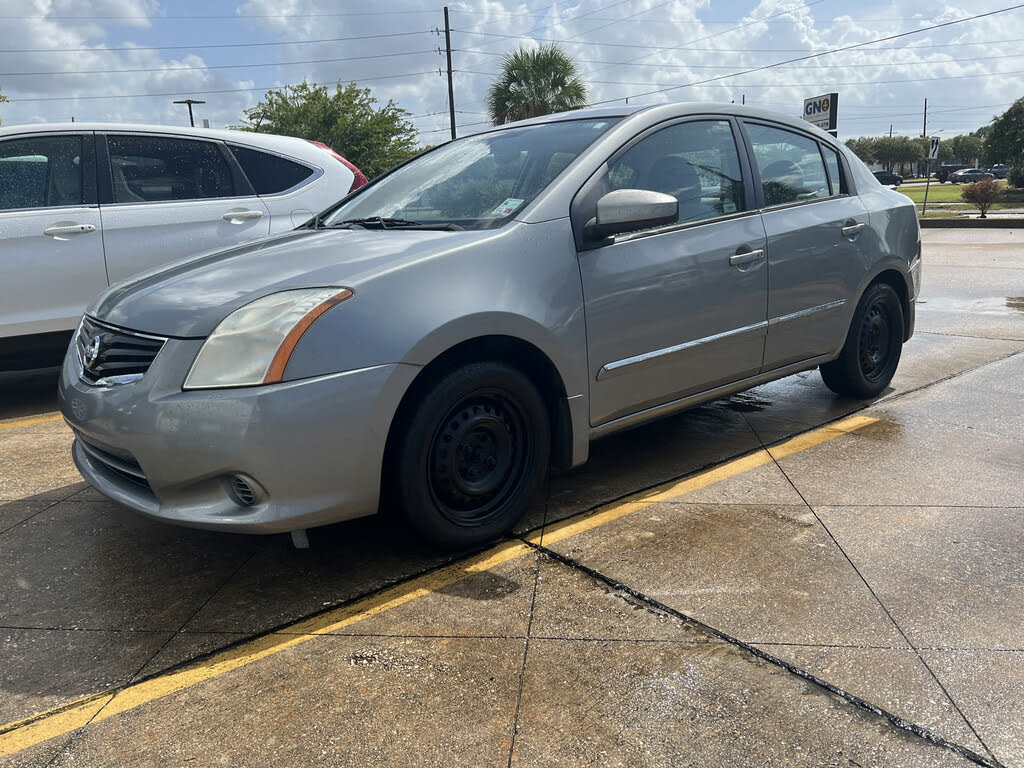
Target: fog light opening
(243,490)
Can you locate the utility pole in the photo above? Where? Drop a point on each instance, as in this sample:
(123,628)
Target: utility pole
(448,52)
(890,130)
(190,102)
(924,128)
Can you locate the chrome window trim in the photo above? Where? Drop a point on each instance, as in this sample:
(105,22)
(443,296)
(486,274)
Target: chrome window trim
(609,369)
(806,312)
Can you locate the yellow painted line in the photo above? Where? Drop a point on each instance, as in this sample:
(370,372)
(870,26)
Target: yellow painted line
(30,422)
(60,721)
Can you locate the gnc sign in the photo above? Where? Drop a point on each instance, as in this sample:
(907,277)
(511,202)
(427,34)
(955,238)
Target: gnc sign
(821,111)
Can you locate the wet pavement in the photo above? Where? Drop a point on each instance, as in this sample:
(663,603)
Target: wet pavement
(852,596)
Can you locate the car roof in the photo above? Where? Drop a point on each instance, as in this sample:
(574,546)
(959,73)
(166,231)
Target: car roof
(670,110)
(267,140)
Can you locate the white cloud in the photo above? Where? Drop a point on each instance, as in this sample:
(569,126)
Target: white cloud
(871,96)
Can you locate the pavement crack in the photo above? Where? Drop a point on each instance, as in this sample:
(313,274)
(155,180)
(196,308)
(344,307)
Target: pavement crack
(878,599)
(857,701)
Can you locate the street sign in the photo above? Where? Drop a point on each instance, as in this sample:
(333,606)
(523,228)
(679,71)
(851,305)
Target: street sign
(822,111)
(933,148)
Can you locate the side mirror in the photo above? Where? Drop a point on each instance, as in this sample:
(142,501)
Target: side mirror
(627,210)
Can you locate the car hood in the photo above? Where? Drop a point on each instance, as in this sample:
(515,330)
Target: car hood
(188,298)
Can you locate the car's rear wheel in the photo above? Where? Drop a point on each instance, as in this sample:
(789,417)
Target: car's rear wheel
(873,346)
(474,455)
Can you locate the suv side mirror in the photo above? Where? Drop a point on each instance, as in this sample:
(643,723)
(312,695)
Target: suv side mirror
(627,210)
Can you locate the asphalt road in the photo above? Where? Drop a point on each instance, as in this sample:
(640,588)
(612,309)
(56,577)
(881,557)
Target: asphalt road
(781,578)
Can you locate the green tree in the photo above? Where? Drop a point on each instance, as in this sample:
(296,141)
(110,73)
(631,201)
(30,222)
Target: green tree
(1005,142)
(863,147)
(898,151)
(348,120)
(533,83)
(967,149)
(2,100)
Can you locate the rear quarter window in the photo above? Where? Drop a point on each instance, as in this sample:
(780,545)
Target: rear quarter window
(269,173)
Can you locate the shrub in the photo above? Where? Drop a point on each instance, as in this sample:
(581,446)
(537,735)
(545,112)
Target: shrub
(982,194)
(1015,177)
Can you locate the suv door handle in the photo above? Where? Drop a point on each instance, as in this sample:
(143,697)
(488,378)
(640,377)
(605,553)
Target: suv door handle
(237,217)
(853,229)
(747,257)
(70,229)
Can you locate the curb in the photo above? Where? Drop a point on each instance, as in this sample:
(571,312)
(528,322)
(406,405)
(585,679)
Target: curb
(991,223)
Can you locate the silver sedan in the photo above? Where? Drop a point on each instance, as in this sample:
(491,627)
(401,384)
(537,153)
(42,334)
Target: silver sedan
(445,334)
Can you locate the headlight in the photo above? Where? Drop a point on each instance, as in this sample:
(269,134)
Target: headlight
(252,345)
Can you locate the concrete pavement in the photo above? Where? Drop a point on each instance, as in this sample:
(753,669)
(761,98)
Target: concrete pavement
(687,598)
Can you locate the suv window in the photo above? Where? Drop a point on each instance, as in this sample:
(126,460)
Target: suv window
(269,173)
(40,172)
(790,165)
(157,168)
(695,162)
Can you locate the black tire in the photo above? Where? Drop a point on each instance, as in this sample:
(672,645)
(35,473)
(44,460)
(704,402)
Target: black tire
(474,455)
(873,346)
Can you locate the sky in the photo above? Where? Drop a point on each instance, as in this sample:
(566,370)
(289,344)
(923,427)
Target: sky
(128,60)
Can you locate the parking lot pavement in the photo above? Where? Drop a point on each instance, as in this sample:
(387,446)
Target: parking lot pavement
(765,580)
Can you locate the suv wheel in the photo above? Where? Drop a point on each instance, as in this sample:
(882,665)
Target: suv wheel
(474,455)
(873,346)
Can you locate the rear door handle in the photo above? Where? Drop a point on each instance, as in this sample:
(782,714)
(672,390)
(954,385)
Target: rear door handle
(240,216)
(853,229)
(70,229)
(748,257)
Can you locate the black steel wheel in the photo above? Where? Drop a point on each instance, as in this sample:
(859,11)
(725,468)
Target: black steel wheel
(474,455)
(873,346)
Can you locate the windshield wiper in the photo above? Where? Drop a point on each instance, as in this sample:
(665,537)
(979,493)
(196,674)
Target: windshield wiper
(378,222)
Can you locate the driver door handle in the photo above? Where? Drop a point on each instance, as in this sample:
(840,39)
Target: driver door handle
(853,229)
(747,257)
(70,229)
(239,216)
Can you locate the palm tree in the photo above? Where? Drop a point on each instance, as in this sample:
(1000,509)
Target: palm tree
(535,82)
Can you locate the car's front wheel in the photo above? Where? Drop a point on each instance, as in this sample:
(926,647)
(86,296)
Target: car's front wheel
(474,455)
(873,346)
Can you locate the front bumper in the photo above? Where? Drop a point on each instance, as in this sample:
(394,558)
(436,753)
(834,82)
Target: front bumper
(311,448)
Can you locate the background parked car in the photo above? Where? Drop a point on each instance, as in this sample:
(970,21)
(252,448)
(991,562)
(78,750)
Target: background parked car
(85,205)
(946,170)
(999,170)
(888,178)
(969,176)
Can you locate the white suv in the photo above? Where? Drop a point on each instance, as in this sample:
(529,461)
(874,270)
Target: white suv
(86,205)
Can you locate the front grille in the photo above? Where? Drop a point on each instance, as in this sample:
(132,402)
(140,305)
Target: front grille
(111,355)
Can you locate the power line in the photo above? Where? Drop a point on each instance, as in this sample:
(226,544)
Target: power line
(817,55)
(215,45)
(916,63)
(239,17)
(783,85)
(206,93)
(221,66)
(786,12)
(734,50)
(464,125)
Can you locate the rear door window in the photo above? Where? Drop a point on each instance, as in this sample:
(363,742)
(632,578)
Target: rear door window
(790,164)
(269,173)
(40,172)
(159,168)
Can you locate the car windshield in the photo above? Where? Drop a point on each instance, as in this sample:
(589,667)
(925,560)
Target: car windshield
(478,182)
